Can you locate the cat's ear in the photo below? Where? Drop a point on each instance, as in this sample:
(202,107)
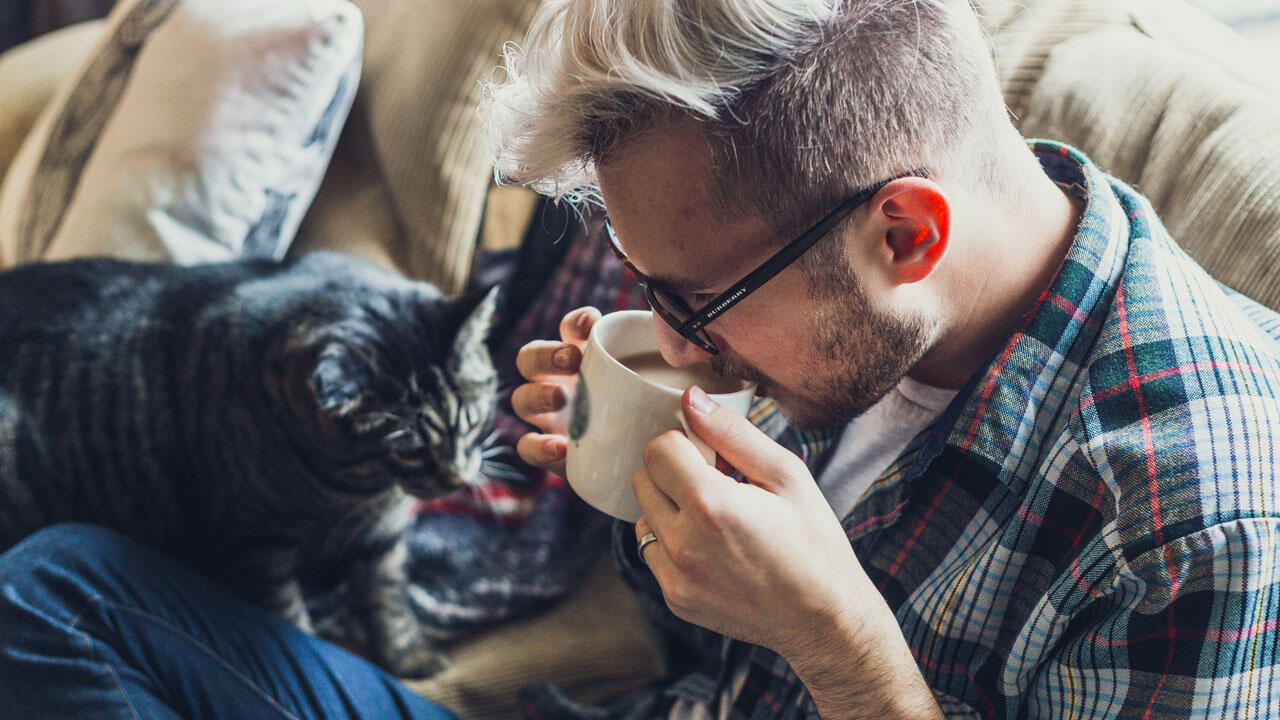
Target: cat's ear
(470,355)
(339,379)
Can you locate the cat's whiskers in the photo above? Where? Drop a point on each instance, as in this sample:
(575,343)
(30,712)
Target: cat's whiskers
(382,415)
(501,471)
(512,476)
(351,526)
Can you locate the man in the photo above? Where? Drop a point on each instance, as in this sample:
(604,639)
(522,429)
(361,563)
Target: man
(1053,493)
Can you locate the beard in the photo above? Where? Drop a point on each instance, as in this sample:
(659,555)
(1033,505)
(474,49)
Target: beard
(859,356)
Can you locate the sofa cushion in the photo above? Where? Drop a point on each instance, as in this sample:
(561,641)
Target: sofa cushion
(30,75)
(194,130)
(1024,34)
(594,644)
(412,144)
(1194,138)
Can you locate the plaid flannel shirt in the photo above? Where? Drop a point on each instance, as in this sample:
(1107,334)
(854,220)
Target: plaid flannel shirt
(1090,529)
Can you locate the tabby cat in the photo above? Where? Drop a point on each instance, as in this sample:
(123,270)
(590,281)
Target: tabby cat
(255,419)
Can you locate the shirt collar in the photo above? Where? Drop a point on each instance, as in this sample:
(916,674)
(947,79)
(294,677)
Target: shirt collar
(1000,416)
(1003,416)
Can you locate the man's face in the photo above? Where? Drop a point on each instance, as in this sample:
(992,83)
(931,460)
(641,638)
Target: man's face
(811,339)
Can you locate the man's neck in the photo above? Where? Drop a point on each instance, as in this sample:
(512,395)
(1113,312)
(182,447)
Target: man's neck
(1005,265)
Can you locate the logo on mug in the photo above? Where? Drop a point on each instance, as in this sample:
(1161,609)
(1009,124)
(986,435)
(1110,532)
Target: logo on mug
(580,416)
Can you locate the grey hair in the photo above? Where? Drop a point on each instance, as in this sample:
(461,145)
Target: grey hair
(801,100)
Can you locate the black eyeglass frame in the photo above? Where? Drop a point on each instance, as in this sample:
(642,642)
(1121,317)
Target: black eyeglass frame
(691,327)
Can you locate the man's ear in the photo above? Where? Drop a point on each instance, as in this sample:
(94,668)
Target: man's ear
(917,214)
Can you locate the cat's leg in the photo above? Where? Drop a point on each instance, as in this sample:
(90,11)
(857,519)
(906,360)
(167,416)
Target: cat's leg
(380,589)
(285,600)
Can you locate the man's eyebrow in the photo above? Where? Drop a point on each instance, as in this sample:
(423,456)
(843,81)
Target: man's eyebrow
(675,285)
(682,286)
(679,285)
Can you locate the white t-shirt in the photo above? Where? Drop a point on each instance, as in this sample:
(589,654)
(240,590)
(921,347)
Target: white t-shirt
(867,446)
(874,439)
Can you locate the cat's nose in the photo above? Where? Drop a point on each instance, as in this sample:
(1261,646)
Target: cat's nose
(469,471)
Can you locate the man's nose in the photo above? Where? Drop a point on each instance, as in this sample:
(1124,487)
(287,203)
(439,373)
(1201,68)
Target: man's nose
(677,351)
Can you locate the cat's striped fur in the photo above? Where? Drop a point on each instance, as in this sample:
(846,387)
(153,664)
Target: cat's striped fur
(255,419)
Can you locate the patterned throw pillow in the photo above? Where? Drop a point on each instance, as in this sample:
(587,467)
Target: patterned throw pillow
(195,130)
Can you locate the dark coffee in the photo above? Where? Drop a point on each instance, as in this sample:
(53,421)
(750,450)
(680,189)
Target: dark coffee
(653,368)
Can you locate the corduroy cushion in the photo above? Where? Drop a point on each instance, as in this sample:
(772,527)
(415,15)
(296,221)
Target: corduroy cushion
(1198,142)
(407,185)
(1024,33)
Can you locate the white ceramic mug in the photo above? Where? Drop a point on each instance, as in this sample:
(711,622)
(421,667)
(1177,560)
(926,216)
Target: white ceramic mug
(616,411)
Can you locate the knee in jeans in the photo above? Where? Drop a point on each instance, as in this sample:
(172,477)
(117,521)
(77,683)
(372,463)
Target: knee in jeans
(64,544)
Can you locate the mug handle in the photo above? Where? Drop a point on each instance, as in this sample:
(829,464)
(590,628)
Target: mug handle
(703,449)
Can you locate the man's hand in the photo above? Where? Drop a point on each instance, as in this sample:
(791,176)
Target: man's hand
(552,371)
(758,561)
(767,562)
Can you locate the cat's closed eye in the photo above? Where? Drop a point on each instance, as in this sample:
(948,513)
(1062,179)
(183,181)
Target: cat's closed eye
(412,454)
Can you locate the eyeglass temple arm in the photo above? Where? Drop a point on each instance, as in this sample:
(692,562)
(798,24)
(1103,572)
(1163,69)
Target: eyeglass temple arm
(765,272)
(784,257)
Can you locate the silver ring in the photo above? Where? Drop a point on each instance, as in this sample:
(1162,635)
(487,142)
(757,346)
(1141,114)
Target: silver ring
(644,541)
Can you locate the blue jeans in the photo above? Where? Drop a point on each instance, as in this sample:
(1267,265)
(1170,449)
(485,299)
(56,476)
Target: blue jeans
(95,625)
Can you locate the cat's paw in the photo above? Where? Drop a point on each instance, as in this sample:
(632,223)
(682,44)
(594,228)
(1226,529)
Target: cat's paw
(400,644)
(346,633)
(417,659)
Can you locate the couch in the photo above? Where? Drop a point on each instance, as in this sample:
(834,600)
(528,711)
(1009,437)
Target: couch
(1155,91)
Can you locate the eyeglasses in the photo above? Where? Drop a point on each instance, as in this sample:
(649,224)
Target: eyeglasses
(691,324)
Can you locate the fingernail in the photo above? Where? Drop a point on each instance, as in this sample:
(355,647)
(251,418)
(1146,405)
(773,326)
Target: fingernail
(552,449)
(700,401)
(549,394)
(581,324)
(562,358)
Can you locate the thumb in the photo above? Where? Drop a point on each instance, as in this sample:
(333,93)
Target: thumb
(762,461)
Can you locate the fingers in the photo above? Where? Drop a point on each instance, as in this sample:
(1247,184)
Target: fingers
(543,451)
(764,462)
(673,465)
(575,326)
(536,402)
(653,501)
(546,358)
(550,368)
